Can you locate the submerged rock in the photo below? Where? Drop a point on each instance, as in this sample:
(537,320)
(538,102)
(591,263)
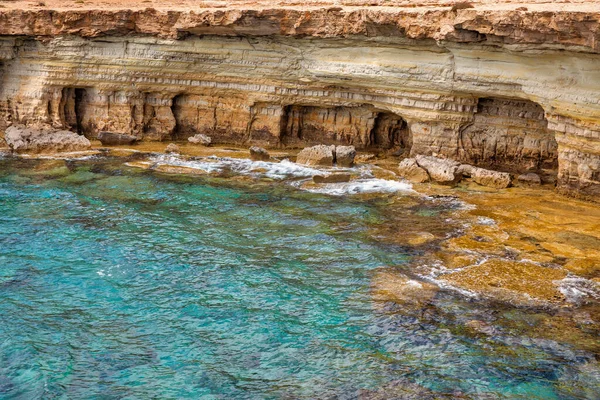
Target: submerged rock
(530,179)
(362,158)
(516,282)
(317,155)
(115,139)
(333,178)
(440,170)
(21,139)
(409,169)
(344,156)
(399,288)
(259,154)
(486,177)
(200,139)
(172,148)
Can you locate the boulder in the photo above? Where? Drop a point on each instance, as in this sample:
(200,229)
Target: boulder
(409,169)
(115,139)
(344,156)
(332,178)
(172,148)
(317,155)
(440,170)
(486,177)
(465,170)
(530,179)
(200,139)
(259,154)
(21,139)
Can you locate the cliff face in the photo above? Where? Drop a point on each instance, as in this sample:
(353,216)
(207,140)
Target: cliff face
(509,88)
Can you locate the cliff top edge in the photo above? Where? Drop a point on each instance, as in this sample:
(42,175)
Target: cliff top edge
(391,5)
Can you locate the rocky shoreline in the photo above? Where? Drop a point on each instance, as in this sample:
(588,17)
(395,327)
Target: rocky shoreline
(505,254)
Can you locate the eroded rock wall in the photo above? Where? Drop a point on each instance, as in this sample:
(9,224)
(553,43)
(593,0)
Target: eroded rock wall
(509,134)
(461,89)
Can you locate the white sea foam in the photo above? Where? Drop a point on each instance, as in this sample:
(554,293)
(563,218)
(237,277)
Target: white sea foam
(275,170)
(576,289)
(362,186)
(485,221)
(286,170)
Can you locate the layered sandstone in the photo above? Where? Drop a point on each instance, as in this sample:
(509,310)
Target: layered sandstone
(506,85)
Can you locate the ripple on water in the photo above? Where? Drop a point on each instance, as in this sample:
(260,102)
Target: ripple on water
(137,285)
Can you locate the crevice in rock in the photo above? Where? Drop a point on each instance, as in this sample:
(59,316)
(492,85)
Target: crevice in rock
(72,107)
(179,132)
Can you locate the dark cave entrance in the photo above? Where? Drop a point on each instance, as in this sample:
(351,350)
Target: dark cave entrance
(390,131)
(182,129)
(72,108)
(361,126)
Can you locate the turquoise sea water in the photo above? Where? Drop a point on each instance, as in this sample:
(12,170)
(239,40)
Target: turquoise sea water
(122,283)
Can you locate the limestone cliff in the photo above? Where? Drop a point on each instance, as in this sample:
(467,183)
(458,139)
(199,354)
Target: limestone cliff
(513,87)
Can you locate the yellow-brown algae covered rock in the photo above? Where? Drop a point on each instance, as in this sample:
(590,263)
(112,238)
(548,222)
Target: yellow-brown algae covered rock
(521,283)
(399,288)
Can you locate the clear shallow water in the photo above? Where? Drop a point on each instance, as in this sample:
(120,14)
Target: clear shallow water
(123,283)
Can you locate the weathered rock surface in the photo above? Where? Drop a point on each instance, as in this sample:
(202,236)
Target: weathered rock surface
(172,148)
(530,179)
(486,177)
(409,169)
(492,85)
(115,139)
(259,154)
(21,139)
(344,156)
(332,178)
(200,139)
(441,170)
(317,155)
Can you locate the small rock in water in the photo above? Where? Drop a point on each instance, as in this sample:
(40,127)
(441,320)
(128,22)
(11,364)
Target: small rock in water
(200,139)
(481,327)
(440,170)
(420,238)
(172,148)
(486,177)
(333,178)
(259,154)
(409,169)
(530,179)
(115,139)
(316,155)
(22,139)
(344,156)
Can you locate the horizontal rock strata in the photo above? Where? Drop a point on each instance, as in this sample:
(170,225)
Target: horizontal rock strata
(502,88)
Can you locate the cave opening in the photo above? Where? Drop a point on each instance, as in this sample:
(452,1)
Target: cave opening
(509,134)
(390,131)
(72,108)
(361,126)
(180,131)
